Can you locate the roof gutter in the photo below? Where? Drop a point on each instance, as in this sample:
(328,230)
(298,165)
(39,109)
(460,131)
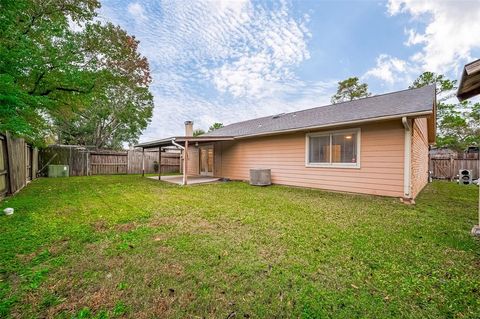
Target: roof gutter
(177,145)
(407,160)
(376,119)
(184,160)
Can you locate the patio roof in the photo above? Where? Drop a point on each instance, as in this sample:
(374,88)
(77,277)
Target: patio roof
(177,141)
(181,140)
(470,81)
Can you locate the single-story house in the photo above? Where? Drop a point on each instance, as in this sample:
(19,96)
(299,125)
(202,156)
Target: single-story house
(377,145)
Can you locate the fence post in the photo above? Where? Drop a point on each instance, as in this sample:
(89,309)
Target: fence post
(87,153)
(143,162)
(159,163)
(128,162)
(451,168)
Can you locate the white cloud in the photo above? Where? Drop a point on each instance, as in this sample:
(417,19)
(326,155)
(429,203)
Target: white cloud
(169,118)
(137,11)
(221,61)
(276,44)
(444,31)
(387,68)
(450,33)
(414,38)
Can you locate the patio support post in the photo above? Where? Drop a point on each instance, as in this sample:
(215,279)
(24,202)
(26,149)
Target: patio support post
(143,162)
(159,163)
(185,164)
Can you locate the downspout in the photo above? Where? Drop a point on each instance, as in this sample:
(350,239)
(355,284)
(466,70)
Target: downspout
(177,145)
(184,160)
(407,164)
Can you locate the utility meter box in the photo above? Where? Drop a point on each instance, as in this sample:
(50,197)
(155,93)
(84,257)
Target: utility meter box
(58,171)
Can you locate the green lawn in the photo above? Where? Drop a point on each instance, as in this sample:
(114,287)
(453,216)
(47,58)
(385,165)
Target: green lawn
(123,246)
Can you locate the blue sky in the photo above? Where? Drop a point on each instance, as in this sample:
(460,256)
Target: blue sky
(227,61)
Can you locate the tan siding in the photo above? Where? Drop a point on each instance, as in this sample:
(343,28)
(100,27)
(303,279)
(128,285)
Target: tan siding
(419,161)
(217,162)
(193,167)
(381,161)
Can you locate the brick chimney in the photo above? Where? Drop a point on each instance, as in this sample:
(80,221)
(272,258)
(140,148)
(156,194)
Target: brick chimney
(188,128)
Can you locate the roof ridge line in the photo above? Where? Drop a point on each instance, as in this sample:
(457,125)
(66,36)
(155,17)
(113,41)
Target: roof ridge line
(327,105)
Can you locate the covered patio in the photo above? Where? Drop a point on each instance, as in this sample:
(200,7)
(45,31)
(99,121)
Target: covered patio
(187,145)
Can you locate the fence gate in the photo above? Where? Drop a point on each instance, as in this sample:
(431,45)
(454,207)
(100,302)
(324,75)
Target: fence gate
(441,168)
(447,168)
(108,163)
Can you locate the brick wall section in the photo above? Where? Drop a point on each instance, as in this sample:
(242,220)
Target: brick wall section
(419,155)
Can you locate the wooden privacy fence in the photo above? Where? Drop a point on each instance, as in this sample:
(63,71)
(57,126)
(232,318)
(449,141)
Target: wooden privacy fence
(74,156)
(18,164)
(448,168)
(170,162)
(84,162)
(108,163)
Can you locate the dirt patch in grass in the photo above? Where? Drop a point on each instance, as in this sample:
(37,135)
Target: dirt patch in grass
(59,247)
(173,269)
(233,229)
(183,222)
(26,258)
(73,300)
(100,226)
(125,227)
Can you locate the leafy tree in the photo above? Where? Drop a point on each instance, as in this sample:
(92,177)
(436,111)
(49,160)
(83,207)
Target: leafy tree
(116,116)
(120,104)
(458,124)
(198,132)
(443,85)
(32,34)
(215,126)
(349,90)
(55,75)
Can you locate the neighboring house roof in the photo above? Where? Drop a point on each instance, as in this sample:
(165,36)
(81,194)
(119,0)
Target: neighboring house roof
(470,81)
(442,151)
(411,102)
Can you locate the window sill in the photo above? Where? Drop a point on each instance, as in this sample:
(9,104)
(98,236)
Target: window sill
(311,165)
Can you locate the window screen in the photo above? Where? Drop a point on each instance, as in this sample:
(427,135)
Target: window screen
(344,148)
(319,149)
(334,148)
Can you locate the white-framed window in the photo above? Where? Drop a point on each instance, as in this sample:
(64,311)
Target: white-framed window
(333,149)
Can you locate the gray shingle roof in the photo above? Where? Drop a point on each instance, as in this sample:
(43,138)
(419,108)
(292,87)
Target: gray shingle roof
(393,104)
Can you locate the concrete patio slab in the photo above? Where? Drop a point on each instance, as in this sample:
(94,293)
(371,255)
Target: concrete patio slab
(192,180)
